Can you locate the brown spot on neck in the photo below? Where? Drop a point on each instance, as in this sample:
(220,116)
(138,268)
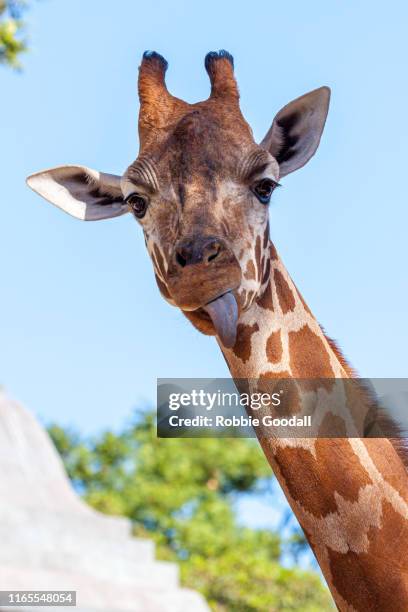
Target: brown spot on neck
(265,301)
(242,348)
(271,382)
(332,426)
(267,271)
(266,236)
(250,272)
(273,254)
(309,357)
(285,295)
(274,347)
(275,375)
(258,255)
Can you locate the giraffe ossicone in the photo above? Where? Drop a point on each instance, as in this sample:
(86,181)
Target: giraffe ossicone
(200,189)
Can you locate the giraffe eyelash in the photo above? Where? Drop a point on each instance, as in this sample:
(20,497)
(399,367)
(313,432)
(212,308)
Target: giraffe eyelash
(264,188)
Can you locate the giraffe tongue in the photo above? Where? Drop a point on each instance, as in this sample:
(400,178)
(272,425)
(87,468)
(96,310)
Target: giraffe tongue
(224,315)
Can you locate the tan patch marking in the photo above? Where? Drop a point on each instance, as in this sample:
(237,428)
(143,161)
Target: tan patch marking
(309,358)
(274,347)
(242,348)
(258,255)
(274,375)
(265,301)
(267,271)
(285,295)
(332,426)
(250,272)
(270,382)
(266,236)
(273,254)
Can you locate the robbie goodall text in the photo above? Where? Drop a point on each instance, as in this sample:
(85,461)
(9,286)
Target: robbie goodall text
(239,421)
(282,408)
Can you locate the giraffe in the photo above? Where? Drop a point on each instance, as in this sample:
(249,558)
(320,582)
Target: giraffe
(200,189)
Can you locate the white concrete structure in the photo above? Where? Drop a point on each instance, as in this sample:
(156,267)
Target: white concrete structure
(51,540)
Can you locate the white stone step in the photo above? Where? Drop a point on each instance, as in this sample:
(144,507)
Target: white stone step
(99,562)
(98,596)
(51,540)
(39,532)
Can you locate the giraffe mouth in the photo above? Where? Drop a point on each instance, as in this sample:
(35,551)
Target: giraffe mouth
(223,312)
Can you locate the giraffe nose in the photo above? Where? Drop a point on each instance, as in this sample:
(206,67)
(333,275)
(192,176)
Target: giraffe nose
(202,249)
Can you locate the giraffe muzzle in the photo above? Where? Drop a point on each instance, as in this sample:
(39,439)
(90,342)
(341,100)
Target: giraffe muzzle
(203,268)
(203,280)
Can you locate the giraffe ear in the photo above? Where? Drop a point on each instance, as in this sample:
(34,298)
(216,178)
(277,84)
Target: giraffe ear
(296,130)
(81,192)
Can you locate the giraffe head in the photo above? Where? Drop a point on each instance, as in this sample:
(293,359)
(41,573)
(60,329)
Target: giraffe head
(199,188)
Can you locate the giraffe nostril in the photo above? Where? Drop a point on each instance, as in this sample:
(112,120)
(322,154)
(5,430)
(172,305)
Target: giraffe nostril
(197,249)
(182,261)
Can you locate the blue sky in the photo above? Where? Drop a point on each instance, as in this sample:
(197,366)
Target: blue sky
(84,332)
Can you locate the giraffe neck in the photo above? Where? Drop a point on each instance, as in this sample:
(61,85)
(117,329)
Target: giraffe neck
(349,495)
(279,334)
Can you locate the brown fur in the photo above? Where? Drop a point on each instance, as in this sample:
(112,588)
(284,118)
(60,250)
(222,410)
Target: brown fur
(359,578)
(285,295)
(274,347)
(304,345)
(381,423)
(242,348)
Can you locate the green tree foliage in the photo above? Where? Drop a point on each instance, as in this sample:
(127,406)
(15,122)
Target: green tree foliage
(182,493)
(12,41)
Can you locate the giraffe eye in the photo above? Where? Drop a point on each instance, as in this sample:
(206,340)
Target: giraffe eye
(138,204)
(263,190)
